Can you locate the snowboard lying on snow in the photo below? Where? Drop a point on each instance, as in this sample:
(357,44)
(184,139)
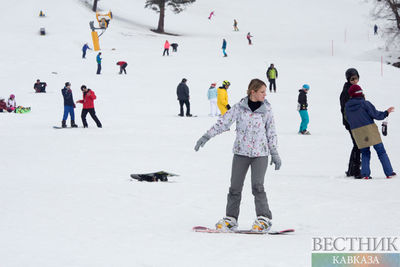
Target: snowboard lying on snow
(153,176)
(203,229)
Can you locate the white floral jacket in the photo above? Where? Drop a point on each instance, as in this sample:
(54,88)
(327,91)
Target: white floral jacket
(255,131)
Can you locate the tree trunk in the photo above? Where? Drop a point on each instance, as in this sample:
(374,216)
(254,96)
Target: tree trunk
(160,28)
(94,5)
(395,10)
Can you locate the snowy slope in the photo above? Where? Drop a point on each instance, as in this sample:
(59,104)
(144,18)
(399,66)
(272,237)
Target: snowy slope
(65,195)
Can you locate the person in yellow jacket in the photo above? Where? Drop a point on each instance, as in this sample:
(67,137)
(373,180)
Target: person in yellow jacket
(222,99)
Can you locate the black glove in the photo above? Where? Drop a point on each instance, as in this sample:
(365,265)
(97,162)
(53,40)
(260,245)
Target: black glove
(228,107)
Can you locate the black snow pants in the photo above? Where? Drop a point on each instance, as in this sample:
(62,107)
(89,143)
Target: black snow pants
(92,113)
(355,161)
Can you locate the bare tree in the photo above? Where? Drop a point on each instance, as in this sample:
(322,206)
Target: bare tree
(389,12)
(159,6)
(95,5)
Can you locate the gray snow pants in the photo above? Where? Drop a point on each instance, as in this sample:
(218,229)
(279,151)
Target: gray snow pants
(240,165)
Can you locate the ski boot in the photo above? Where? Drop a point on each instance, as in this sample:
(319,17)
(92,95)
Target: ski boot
(73,125)
(64,124)
(227,224)
(261,224)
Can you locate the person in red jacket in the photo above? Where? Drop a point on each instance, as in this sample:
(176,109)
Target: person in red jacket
(122,66)
(88,106)
(166,48)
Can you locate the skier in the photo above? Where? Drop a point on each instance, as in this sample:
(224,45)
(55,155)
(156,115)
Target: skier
(122,66)
(40,87)
(212,95)
(302,108)
(98,60)
(375,29)
(360,115)
(211,14)
(88,106)
(174,47)
(224,48)
(256,139)
(182,92)
(84,49)
(248,37)
(11,103)
(222,100)
(166,48)
(69,106)
(352,77)
(272,75)
(235,27)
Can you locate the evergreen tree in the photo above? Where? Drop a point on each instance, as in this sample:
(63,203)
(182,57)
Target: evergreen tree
(159,6)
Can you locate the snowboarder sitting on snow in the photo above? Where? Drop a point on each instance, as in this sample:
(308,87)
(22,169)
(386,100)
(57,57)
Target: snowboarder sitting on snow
(40,87)
(3,105)
(11,103)
(88,106)
(174,47)
(222,100)
(122,66)
(360,115)
(302,108)
(256,139)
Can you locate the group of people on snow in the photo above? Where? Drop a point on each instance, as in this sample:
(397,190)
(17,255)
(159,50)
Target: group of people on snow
(69,105)
(122,64)
(358,117)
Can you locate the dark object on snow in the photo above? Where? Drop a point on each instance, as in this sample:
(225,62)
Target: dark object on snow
(174,47)
(384,128)
(397,64)
(42,31)
(153,176)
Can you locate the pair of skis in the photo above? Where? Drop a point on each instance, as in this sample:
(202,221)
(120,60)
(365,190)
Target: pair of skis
(202,229)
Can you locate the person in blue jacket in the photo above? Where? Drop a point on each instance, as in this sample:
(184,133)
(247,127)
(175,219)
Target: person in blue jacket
(98,60)
(69,105)
(84,49)
(360,115)
(224,48)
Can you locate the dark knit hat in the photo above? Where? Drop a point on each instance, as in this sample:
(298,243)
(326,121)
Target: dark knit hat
(350,73)
(355,91)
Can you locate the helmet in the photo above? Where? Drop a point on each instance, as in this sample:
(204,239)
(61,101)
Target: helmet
(12,96)
(226,83)
(306,87)
(351,72)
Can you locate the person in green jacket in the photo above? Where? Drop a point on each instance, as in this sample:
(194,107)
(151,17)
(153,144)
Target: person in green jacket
(272,75)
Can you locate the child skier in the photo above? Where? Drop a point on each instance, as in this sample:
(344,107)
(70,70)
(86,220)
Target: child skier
(222,98)
(255,139)
(302,108)
(360,115)
(212,95)
(88,106)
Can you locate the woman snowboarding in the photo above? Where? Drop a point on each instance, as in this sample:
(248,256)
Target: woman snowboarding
(256,139)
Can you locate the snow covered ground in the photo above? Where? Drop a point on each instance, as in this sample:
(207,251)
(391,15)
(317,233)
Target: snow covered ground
(65,195)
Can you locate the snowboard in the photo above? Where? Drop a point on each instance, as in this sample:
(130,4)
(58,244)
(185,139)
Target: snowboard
(153,176)
(203,229)
(59,127)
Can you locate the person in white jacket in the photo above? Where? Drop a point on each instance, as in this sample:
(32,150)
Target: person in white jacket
(212,96)
(256,139)
(11,104)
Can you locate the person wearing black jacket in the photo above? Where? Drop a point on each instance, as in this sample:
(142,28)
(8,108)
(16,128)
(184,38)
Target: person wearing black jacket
(182,92)
(40,87)
(69,105)
(352,77)
(302,108)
